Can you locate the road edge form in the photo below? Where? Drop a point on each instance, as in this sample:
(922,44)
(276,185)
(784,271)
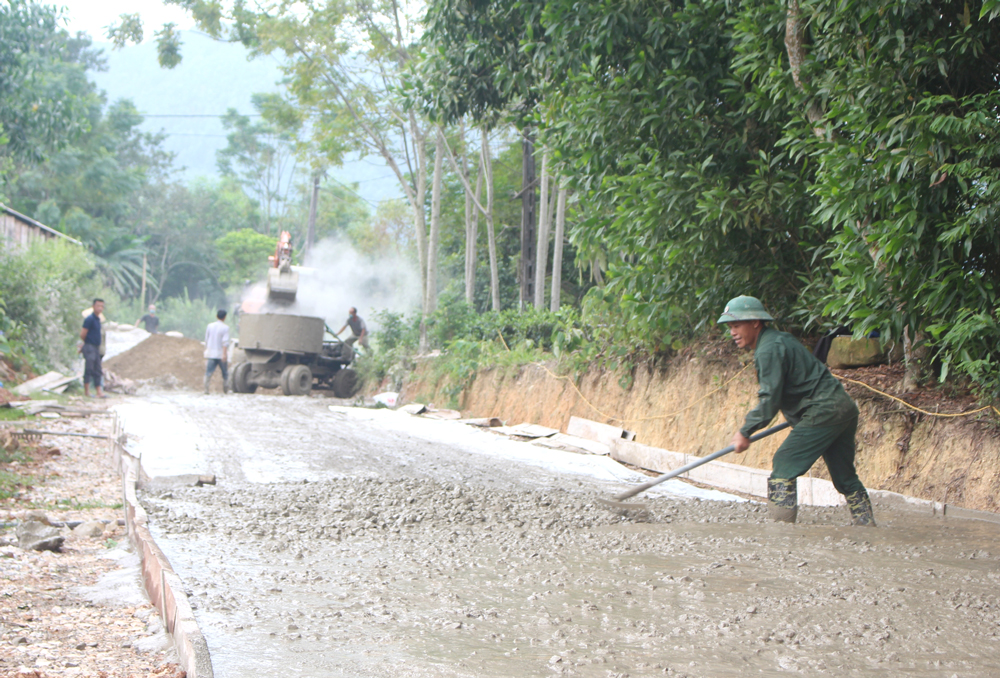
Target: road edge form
(162,584)
(753,481)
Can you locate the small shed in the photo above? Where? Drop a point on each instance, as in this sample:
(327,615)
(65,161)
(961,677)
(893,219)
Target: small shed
(18,230)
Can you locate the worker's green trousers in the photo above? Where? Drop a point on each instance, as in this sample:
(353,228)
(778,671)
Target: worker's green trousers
(804,445)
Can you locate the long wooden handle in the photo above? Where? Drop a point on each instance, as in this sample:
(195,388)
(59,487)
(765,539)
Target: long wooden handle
(695,464)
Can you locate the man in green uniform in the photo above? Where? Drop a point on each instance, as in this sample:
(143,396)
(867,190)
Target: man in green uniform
(824,419)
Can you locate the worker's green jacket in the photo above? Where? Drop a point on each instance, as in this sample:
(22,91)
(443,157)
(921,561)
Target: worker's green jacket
(793,380)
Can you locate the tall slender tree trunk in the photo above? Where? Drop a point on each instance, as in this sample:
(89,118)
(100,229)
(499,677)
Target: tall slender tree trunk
(420,228)
(432,250)
(471,218)
(557,251)
(542,246)
(526,270)
(490,234)
(471,240)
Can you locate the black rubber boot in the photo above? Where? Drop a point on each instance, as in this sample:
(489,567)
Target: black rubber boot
(782,498)
(207,382)
(861,509)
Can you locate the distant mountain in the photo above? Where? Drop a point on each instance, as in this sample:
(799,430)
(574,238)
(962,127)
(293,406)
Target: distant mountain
(213,77)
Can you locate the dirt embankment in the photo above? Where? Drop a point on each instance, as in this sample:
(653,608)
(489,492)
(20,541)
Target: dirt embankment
(695,403)
(163,359)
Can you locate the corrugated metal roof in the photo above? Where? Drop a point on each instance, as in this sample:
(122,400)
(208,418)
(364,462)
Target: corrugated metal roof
(17,215)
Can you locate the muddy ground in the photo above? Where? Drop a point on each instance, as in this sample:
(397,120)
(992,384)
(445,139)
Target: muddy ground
(359,543)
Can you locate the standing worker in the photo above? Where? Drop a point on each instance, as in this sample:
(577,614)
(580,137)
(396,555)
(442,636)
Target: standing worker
(150,320)
(824,419)
(90,346)
(216,349)
(359,330)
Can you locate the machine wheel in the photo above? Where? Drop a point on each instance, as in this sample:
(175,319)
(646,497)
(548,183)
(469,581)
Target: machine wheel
(283,379)
(345,383)
(241,379)
(299,380)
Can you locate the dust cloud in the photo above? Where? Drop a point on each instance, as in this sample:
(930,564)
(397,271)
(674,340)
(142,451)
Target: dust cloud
(335,276)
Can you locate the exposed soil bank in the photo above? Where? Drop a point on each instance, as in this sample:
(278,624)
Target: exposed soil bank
(681,407)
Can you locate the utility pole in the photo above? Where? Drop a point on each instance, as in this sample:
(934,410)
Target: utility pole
(311,230)
(526,271)
(142,294)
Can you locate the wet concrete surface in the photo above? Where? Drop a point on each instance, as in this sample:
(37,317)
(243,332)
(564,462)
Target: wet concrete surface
(360,543)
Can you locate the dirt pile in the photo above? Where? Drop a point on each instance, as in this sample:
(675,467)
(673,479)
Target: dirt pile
(163,360)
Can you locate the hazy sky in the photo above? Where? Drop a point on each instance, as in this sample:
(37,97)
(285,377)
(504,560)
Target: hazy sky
(91,16)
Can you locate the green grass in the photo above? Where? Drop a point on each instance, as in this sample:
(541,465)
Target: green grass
(7,457)
(74,504)
(11,414)
(10,482)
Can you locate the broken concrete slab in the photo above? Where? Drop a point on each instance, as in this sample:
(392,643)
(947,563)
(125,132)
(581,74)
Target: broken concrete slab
(526,430)
(483,422)
(446,415)
(414,408)
(562,441)
(595,430)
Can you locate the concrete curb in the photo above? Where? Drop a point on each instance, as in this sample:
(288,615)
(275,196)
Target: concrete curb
(753,481)
(162,584)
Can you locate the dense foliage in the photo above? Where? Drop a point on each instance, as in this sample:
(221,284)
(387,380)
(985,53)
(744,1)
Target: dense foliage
(838,160)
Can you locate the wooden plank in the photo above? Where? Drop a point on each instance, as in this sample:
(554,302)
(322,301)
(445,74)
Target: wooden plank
(38,383)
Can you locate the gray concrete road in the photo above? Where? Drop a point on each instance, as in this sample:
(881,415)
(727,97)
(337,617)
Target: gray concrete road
(370,543)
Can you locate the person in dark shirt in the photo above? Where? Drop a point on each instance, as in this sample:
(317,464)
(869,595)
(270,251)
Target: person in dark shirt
(90,347)
(824,419)
(358,329)
(150,320)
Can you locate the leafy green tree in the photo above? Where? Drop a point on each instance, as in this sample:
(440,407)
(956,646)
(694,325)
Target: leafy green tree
(45,97)
(897,105)
(243,256)
(686,197)
(43,290)
(100,188)
(262,156)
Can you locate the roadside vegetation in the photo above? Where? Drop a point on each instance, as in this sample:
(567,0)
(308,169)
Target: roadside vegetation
(841,162)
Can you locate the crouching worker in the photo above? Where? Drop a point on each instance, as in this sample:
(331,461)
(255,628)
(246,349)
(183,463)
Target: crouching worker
(824,419)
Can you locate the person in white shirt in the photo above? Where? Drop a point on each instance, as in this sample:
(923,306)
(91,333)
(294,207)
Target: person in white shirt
(216,348)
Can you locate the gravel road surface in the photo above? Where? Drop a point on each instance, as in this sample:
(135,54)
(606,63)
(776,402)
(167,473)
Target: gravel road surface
(344,542)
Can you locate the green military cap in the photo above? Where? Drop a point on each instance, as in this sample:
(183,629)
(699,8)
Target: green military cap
(744,308)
